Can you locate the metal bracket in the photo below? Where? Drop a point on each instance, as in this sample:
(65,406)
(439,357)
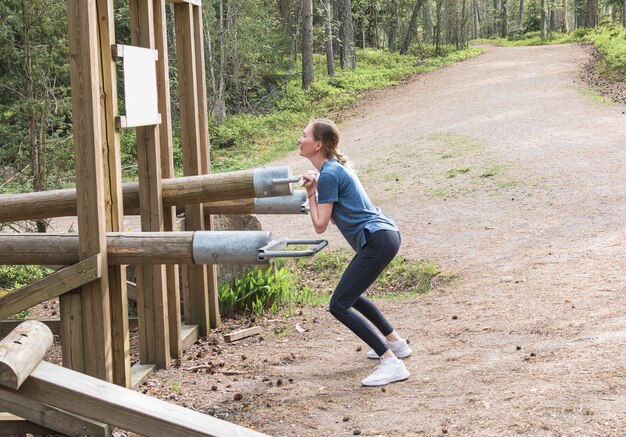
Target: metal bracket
(274,249)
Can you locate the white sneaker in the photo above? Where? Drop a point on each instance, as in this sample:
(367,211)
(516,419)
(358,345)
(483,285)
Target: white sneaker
(400,349)
(389,370)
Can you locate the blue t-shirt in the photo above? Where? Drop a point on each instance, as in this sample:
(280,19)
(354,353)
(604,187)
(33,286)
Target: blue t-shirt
(353,211)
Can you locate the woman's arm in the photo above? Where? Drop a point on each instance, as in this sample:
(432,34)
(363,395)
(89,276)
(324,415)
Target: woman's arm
(320,213)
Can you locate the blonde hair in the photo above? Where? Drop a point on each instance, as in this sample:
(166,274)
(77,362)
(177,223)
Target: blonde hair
(327,132)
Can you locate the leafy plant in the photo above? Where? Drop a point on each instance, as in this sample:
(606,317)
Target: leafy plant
(15,276)
(257,291)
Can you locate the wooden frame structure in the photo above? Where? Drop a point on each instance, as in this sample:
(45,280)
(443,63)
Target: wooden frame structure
(92,287)
(91,279)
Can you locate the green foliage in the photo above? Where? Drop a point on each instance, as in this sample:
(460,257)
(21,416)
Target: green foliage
(247,140)
(34,86)
(257,291)
(15,276)
(611,42)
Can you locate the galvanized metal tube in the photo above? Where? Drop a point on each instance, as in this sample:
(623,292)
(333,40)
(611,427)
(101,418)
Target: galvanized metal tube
(293,204)
(229,247)
(265,185)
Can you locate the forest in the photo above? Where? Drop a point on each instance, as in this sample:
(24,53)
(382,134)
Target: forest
(270,67)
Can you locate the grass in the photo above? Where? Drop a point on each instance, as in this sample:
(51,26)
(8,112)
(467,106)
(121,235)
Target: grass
(403,278)
(610,40)
(595,96)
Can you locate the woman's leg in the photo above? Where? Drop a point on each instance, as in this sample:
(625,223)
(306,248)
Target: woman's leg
(363,270)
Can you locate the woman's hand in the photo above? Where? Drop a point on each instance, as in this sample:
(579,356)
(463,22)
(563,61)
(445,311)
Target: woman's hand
(310,179)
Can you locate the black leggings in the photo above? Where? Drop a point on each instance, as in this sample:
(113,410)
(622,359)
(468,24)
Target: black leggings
(379,250)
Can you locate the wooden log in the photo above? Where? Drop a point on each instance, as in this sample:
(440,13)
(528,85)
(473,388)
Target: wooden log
(243,333)
(51,286)
(175,191)
(45,419)
(21,351)
(123,248)
(126,409)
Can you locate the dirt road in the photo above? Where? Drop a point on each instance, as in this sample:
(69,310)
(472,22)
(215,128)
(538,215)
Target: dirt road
(507,172)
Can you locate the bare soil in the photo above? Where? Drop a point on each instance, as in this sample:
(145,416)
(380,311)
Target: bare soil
(506,171)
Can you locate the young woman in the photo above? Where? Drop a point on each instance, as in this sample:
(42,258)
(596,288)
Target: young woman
(373,236)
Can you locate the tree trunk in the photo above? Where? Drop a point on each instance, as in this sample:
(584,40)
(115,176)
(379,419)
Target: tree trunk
(437,32)
(307,43)
(475,28)
(412,28)
(393,25)
(564,25)
(495,18)
(220,101)
(544,19)
(346,34)
(591,13)
(210,61)
(330,55)
(624,13)
(36,160)
(505,21)
(428,22)
(520,17)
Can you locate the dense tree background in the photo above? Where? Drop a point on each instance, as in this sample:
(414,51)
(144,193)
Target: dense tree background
(253,47)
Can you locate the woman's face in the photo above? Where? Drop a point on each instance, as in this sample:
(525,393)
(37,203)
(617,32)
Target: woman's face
(309,146)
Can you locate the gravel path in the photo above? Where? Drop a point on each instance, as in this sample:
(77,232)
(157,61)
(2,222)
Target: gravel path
(506,171)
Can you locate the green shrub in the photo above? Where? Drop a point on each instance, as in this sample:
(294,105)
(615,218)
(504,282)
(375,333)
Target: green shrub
(257,291)
(13,277)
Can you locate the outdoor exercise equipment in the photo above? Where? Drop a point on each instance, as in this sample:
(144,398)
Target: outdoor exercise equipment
(247,184)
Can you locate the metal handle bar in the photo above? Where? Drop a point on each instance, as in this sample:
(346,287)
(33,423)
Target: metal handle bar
(274,249)
(289,180)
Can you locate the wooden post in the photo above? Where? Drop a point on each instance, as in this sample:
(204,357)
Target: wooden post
(87,313)
(154,343)
(205,164)
(167,168)
(120,335)
(192,158)
(21,351)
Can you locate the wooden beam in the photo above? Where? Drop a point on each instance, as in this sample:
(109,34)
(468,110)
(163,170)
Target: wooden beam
(192,157)
(205,165)
(152,306)
(114,200)
(126,409)
(44,419)
(51,286)
(21,351)
(93,356)
(12,426)
(167,168)
(6,326)
(243,333)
